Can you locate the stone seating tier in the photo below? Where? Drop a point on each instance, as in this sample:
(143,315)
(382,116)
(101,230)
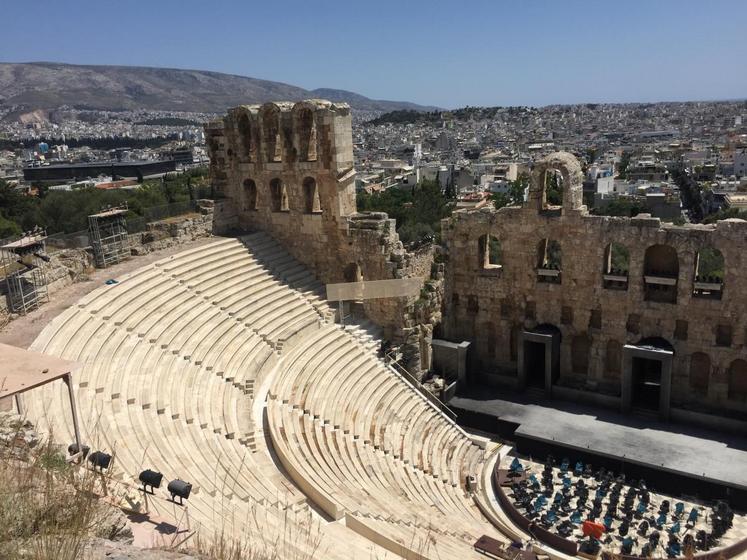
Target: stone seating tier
(188,361)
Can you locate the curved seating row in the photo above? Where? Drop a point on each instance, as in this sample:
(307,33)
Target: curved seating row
(361,441)
(172,355)
(166,383)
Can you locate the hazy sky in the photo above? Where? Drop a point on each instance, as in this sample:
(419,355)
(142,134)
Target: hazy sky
(492,52)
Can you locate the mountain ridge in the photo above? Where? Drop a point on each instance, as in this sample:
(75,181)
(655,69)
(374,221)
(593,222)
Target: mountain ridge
(43,85)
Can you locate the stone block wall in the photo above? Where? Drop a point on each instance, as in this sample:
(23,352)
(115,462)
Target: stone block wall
(489,299)
(287,169)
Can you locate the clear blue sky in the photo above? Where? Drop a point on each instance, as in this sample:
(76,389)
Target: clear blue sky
(491,52)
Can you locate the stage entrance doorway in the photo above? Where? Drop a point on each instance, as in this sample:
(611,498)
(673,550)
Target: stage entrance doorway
(647,376)
(539,358)
(534,364)
(646,383)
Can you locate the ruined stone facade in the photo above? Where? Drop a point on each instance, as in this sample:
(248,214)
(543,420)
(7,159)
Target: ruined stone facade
(287,169)
(603,290)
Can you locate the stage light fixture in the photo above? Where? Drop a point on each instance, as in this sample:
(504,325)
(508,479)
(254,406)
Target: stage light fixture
(150,478)
(100,460)
(73,448)
(179,488)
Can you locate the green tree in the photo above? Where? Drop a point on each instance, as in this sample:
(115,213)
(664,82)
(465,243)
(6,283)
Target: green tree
(622,167)
(515,193)
(418,211)
(554,189)
(591,154)
(8,228)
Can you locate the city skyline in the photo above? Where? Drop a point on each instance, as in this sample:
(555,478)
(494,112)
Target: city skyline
(537,53)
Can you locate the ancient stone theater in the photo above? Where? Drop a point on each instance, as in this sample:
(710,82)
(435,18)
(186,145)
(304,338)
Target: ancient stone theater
(283,414)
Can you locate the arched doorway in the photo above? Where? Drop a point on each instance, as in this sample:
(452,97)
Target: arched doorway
(352,273)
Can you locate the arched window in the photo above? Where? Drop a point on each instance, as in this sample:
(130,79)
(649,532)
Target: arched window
(272,138)
(279,196)
(553,189)
(557,184)
(580,346)
(709,274)
(312,204)
(489,250)
(616,266)
(549,261)
(250,195)
(661,270)
(613,358)
(245,131)
(352,273)
(306,135)
(738,381)
(700,371)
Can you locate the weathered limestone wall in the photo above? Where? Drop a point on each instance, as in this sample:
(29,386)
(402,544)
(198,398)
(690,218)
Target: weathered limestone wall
(287,169)
(175,231)
(491,304)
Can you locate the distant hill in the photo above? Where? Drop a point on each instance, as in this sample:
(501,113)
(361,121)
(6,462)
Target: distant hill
(45,86)
(359,101)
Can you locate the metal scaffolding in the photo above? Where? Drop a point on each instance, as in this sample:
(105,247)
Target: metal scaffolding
(107,231)
(23,266)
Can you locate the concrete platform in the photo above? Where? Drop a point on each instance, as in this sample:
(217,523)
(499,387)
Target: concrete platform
(679,458)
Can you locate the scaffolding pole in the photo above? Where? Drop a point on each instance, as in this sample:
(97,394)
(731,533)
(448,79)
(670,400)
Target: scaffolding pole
(110,241)
(23,263)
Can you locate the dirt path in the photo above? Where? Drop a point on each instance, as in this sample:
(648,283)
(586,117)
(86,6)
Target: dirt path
(25,329)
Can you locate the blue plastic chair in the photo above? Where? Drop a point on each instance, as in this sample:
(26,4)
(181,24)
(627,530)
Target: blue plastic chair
(693,517)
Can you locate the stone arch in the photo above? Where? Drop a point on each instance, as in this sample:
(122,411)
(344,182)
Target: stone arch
(312,203)
(613,358)
(352,273)
(271,136)
(709,273)
(489,252)
(655,342)
(700,372)
(245,133)
(566,167)
(738,381)
(306,133)
(278,196)
(661,269)
(250,194)
(580,349)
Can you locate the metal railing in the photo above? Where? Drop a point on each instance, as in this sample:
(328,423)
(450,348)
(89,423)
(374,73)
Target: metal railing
(392,363)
